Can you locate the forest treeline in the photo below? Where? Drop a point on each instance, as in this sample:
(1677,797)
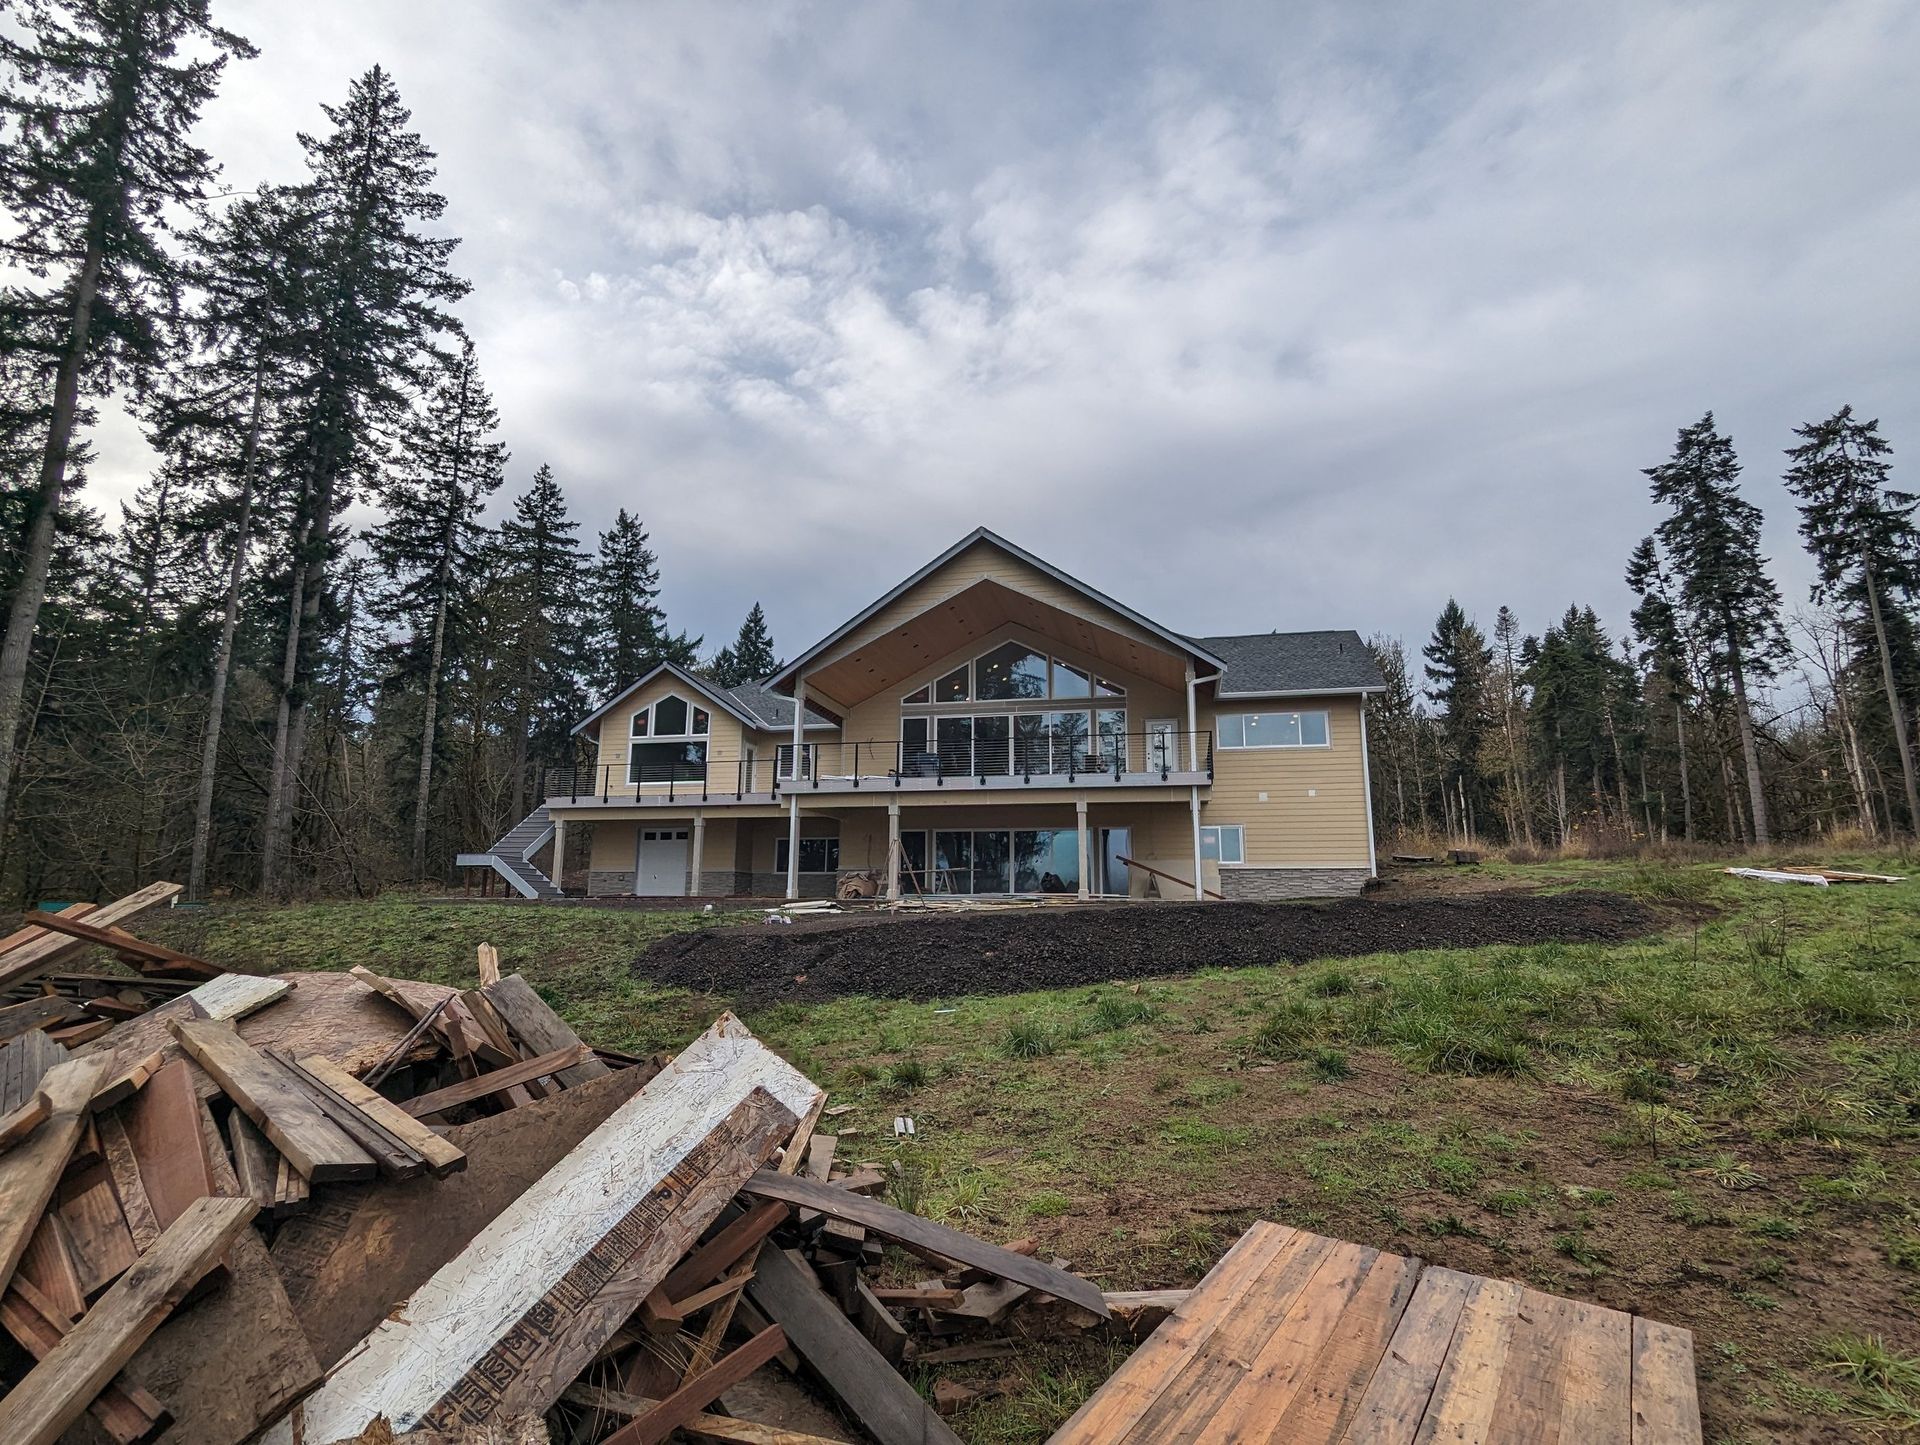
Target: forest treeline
(1718,715)
(231,682)
(302,660)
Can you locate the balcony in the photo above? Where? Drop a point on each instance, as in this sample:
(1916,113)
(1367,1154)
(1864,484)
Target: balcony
(1007,761)
(737,782)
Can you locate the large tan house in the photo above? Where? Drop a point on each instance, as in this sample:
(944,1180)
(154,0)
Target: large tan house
(991,726)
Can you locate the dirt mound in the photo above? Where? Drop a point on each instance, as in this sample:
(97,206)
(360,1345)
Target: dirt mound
(943,955)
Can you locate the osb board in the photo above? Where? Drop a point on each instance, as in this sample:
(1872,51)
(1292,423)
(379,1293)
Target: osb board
(229,1360)
(326,1013)
(360,1247)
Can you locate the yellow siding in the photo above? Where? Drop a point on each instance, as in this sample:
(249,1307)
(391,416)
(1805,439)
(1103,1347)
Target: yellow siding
(1315,808)
(726,742)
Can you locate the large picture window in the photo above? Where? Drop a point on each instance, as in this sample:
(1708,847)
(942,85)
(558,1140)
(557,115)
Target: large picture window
(1272,730)
(669,742)
(1013,672)
(817,855)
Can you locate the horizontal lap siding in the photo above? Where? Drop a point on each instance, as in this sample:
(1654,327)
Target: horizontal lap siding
(1291,828)
(726,742)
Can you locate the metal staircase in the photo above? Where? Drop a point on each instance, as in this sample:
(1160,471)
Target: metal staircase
(511,857)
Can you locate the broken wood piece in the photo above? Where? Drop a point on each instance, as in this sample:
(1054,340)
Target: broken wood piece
(878,1323)
(129,1081)
(441,1157)
(719,1254)
(291,1120)
(30,1171)
(494,1082)
(47,1268)
(990,1301)
(38,1013)
(141,954)
(709,1427)
(97,1230)
(489,964)
(24,1120)
(128,1413)
(1140,1310)
(910,1229)
(255,1161)
(234,995)
(499,1329)
(71,1036)
(37,955)
(842,1237)
(58,1389)
(877,1397)
(123,1168)
(397,1159)
(163,1126)
(919,1296)
(23,1063)
(966,1354)
(538,1026)
(663,1419)
(863,1180)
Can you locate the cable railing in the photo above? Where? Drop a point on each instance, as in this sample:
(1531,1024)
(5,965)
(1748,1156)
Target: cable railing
(1010,757)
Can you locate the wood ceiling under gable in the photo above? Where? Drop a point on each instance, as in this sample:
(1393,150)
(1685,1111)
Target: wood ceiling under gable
(973,615)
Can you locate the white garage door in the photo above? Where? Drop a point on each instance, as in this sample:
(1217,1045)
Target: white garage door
(662,867)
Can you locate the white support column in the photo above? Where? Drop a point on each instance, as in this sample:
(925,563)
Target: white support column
(793,790)
(1080,822)
(1199,873)
(1366,792)
(893,852)
(560,854)
(1193,725)
(699,853)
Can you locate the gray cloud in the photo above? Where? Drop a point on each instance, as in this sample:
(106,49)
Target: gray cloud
(1257,316)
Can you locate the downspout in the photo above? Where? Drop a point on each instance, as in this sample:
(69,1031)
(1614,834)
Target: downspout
(1366,784)
(793,797)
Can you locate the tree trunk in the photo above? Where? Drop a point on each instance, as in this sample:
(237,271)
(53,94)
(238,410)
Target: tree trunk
(1894,710)
(1686,789)
(1749,749)
(290,735)
(24,615)
(1850,753)
(428,715)
(223,658)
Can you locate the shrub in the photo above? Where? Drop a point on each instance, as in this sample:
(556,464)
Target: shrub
(1031,1038)
(907,1073)
(1122,1010)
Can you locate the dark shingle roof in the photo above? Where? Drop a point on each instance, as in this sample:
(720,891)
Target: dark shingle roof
(773,710)
(1278,662)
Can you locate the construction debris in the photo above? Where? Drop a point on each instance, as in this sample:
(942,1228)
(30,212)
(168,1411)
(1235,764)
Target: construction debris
(1776,875)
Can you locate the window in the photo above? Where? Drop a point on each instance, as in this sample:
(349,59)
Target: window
(671,717)
(923,695)
(1224,843)
(1069,681)
(1103,687)
(956,686)
(783,761)
(1012,671)
(1272,730)
(681,761)
(817,855)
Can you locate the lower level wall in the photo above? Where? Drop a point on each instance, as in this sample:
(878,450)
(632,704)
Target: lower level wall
(1266,884)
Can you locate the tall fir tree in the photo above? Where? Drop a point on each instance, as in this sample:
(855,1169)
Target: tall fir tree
(630,631)
(543,576)
(1712,535)
(428,546)
(1860,531)
(750,657)
(1509,699)
(97,101)
(1457,658)
(1663,652)
(375,285)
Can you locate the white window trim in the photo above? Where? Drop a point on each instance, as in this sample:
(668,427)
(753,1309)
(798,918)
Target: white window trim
(1226,747)
(653,736)
(1217,829)
(1093,696)
(783,770)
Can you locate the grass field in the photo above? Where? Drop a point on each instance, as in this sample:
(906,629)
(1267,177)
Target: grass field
(1718,1126)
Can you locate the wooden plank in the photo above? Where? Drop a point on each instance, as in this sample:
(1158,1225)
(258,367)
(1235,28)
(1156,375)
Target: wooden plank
(163,1126)
(396,1158)
(1469,1385)
(102,1243)
(1132,1390)
(1666,1402)
(23,1063)
(489,958)
(441,1157)
(708,1427)
(58,1389)
(298,1129)
(879,1324)
(234,995)
(873,1392)
(493,1082)
(721,1252)
(24,1120)
(1568,1377)
(129,1081)
(1396,1397)
(506,1324)
(128,1413)
(36,957)
(910,1229)
(38,1013)
(135,950)
(538,1026)
(255,1161)
(30,1171)
(123,1167)
(33,931)
(48,1273)
(683,1404)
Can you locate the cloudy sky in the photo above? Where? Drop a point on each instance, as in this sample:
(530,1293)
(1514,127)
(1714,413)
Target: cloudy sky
(1258,316)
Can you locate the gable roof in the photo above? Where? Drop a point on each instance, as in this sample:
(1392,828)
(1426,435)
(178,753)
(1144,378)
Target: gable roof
(1275,664)
(982,534)
(750,704)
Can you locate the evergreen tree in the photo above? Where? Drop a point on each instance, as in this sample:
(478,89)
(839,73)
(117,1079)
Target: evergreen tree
(1656,621)
(372,291)
(1860,531)
(1577,683)
(428,545)
(1712,535)
(1511,704)
(750,658)
(96,102)
(630,635)
(1457,676)
(543,574)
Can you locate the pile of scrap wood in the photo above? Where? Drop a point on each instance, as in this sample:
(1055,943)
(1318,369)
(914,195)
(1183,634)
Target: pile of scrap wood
(341,1207)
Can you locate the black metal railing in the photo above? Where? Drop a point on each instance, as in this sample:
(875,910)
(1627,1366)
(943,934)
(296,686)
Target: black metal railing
(688,779)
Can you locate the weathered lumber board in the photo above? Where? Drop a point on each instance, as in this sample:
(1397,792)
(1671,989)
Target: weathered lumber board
(34,957)
(58,1389)
(506,1324)
(123,1165)
(397,1159)
(873,1392)
(494,1081)
(441,1157)
(131,1079)
(163,1126)
(537,1026)
(911,1229)
(138,951)
(233,995)
(22,1121)
(23,1063)
(1666,1402)
(1398,1393)
(707,1427)
(255,1161)
(30,1171)
(102,1244)
(127,1412)
(33,932)
(275,1102)
(38,1013)
(48,1272)
(654,1425)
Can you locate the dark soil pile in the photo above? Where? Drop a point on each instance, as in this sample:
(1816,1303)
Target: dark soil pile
(925,956)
